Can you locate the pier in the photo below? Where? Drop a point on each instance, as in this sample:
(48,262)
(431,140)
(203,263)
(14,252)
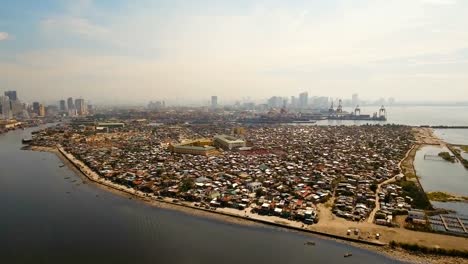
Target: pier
(433,157)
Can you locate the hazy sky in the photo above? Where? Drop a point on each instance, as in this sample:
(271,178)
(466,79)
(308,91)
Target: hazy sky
(138,51)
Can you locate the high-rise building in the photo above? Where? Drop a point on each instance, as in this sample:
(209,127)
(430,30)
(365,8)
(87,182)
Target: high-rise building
(63,106)
(80,107)
(293,102)
(51,110)
(17,108)
(5,107)
(303,100)
(355,99)
(156,105)
(36,107)
(41,111)
(214,101)
(12,95)
(70,104)
(275,102)
(90,109)
(71,107)
(319,102)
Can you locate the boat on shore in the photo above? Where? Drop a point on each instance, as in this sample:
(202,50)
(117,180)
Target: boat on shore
(26,140)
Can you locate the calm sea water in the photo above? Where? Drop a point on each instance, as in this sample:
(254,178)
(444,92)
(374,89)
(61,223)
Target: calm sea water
(460,208)
(453,136)
(440,175)
(49,216)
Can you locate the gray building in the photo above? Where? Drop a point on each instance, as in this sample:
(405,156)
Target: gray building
(303,100)
(5,107)
(12,95)
(214,101)
(63,106)
(80,107)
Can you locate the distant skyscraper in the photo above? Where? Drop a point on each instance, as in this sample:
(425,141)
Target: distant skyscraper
(5,107)
(90,109)
(51,110)
(155,105)
(12,95)
(293,102)
(70,103)
(214,101)
(16,108)
(303,100)
(355,100)
(41,111)
(80,107)
(36,107)
(319,102)
(71,107)
(63,106)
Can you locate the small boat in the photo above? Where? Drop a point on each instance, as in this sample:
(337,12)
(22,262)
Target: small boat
(26,140)
(310,243)
(347,255)
(62,165)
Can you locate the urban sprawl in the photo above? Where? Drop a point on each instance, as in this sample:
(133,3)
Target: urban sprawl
(267,160)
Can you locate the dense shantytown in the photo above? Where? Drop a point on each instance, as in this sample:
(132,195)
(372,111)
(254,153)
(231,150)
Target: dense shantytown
(281,170)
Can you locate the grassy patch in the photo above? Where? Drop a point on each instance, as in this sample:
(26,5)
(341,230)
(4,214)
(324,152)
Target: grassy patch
(439,196)
(446,156)
(430,250)
(444,197)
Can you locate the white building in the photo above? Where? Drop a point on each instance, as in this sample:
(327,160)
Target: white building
(303,100)
(228,142)
(214,102)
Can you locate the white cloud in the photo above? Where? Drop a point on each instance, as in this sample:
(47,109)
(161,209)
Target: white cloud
(72,25)
(439,2)
(372,49)
(4,36)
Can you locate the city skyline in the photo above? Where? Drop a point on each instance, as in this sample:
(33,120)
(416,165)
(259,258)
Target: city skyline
(184,52)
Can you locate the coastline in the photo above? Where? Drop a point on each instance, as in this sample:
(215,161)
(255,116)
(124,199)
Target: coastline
(324,229)
(426,137)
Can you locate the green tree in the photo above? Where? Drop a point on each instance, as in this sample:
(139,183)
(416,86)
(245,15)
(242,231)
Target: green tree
(259,192)
(187,184)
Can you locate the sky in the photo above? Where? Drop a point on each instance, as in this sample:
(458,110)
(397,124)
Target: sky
(185,51)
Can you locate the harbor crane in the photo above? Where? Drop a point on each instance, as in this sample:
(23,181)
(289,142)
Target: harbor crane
(357,110)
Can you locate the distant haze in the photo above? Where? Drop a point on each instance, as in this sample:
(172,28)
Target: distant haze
(186,51)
